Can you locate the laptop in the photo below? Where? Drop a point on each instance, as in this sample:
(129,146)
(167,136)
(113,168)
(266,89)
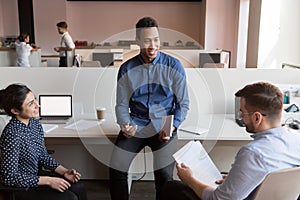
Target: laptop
(55,109)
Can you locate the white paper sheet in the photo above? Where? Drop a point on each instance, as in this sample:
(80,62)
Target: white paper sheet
(195,157)
(83,124)
(49,127)
(193,129)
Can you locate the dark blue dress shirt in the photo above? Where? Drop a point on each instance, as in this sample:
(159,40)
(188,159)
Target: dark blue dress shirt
(22,151)
(146,92)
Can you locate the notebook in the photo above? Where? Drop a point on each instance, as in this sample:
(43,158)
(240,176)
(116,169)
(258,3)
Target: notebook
(55,109)
(193,129)
(167,124)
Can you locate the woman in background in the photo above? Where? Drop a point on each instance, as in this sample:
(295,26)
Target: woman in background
(23,152)
(23,50)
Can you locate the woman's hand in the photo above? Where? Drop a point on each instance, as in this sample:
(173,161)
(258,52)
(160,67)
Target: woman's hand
(59,184)
(55,183)
(72,175)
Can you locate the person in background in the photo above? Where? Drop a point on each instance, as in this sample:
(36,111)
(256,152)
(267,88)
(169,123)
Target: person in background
(66,43)
(274,147)
(23,152)
(150,85)
(23,50)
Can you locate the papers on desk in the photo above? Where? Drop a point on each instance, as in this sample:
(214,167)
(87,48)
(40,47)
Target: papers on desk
(83,124)
(193,129)
(49,127)
(196,158)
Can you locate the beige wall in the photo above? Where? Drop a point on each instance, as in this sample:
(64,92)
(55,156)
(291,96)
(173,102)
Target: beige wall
(100,20)
(1,19)
(97,21)
(222,26)
(46,15)
(9,21)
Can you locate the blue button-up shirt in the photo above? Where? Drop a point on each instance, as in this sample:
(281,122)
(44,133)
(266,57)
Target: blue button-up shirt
(271,150)
(22,151)
(146,92)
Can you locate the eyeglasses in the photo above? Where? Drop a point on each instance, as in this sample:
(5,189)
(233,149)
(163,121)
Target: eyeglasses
(240,113)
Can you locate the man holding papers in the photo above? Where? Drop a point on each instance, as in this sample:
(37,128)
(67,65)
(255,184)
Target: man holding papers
(274,148)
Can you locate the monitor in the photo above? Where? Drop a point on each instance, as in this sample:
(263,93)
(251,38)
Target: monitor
(106,59)
(209,58)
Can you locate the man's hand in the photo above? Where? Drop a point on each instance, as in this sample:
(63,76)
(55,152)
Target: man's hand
(184,172)
(163,136)
(128,130)
(223,178)
(57,49)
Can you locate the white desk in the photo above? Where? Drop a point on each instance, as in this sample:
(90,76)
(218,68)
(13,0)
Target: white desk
(221,127)
(84,149)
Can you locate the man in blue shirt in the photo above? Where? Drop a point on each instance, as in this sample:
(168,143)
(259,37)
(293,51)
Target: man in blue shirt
(150,85)
(274,147)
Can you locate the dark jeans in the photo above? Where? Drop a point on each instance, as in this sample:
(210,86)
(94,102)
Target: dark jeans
(179,191)
(75,192)
(63,61)
(127,148)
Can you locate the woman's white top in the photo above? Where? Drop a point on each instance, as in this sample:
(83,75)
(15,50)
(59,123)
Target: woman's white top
(23,51)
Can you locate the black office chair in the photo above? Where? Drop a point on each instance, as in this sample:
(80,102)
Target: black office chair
(8,192)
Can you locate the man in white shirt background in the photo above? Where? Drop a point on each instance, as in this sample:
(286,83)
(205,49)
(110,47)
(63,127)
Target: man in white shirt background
(66,43)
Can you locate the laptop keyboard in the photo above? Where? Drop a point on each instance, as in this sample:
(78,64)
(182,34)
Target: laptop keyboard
(54,120)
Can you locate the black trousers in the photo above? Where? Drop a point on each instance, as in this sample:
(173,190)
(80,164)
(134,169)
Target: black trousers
(75,192)
(179,191)
(127,148)
(63,61)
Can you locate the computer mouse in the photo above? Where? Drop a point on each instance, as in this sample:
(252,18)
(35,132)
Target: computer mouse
(295,126)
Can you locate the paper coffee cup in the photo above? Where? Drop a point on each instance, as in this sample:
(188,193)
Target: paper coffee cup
(100,113)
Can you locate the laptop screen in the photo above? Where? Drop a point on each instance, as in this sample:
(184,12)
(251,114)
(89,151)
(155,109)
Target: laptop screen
(55,105)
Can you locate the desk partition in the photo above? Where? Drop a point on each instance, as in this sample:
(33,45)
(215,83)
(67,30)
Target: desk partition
(211,94)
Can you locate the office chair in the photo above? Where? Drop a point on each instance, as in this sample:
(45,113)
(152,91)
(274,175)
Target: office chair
(95,63)
(8,192)
(280,185)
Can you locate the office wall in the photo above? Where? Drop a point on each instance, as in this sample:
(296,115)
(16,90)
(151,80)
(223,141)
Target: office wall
(9,21)
(97,21)
(46,15)
(1,19)
(221,24)
(101,20)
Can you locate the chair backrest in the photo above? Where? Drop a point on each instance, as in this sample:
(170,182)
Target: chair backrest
(95,63)
(213,65)
(280,185)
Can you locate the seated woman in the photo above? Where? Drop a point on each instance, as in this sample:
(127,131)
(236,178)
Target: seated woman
(23,151)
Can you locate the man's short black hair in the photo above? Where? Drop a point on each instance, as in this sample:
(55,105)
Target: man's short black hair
(145,22)
(62,25)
